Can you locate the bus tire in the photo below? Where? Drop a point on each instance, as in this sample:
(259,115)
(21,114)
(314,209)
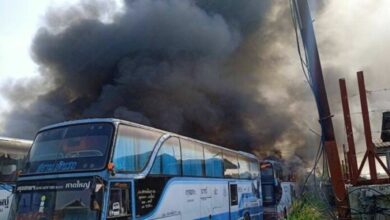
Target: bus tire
(247,216)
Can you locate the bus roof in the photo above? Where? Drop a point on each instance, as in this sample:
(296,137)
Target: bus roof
(14,145)
(119,121)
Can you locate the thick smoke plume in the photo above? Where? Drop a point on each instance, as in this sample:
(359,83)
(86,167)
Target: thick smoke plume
(218,71)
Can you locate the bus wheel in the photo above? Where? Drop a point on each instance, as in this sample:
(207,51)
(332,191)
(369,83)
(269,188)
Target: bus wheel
(247,216)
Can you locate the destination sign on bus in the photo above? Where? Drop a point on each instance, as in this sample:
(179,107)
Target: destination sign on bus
(56,166)
(74,184)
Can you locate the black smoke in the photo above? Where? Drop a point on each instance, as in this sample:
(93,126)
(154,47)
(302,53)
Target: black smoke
(191,67)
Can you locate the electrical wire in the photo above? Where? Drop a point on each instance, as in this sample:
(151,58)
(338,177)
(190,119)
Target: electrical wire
(328,209)
(361,188)
(303,62)
(318,189)
(318,156)
(320,151)
(378,90)
(321,195)
(372,111)
(377,209)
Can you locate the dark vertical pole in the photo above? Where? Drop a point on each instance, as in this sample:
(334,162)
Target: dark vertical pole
(314,65)
(352,162)
(367,126)
(388,159)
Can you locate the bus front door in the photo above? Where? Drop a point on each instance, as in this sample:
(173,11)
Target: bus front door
(233,201)
(119,202)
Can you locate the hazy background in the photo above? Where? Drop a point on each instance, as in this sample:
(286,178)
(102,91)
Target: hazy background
(227,73)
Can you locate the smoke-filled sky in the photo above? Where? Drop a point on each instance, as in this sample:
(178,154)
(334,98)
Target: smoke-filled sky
(226,72)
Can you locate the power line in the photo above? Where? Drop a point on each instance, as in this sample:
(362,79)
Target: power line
(371,92)
(378,90)
(304,66)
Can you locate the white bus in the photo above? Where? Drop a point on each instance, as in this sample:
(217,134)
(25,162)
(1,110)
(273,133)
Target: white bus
(12,156)
(114,169)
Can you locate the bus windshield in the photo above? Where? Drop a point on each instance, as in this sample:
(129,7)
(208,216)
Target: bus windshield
(70,148)
(72,199)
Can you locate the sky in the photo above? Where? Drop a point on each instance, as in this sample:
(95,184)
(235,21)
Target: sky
(19,21)
(352,35)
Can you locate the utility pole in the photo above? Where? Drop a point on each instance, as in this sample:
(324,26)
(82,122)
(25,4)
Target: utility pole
(305,23)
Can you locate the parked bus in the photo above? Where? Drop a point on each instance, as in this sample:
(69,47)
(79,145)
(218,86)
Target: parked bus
(114,169)
(278,193)
(12,156)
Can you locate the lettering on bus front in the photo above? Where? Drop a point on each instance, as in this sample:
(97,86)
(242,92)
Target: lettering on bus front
(78,185)
(60,185)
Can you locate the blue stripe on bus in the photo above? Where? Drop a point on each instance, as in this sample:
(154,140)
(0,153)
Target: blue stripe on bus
(185,180)
(233,215)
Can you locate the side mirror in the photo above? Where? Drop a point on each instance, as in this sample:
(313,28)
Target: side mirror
(111,168)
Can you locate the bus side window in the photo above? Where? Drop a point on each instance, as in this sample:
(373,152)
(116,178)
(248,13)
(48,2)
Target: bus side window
(230,164)
(167,161)
(213,162)
(254,169)
(244,168)
(133,148)
(192,157)
(119,203)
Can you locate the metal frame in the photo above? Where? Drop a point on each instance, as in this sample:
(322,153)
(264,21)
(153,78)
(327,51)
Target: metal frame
(370,153)
(351,154)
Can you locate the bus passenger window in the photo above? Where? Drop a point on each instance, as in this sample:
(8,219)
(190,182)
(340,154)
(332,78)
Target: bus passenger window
(230,164)
(119,203)
(133,148)
(192,156)
(213,162)
(167,161)
(254,169)
(244,169)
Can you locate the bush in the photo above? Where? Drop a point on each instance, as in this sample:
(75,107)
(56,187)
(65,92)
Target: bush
(309,207)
